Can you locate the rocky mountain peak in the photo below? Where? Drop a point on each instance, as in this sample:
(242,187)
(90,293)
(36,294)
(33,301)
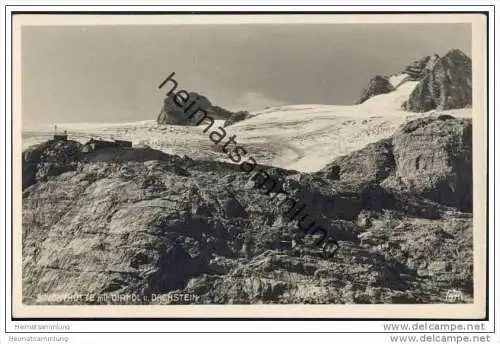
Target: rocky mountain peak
(172,113)
(444,83)
(457,54)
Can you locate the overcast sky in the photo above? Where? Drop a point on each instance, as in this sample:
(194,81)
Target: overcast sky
(112,73)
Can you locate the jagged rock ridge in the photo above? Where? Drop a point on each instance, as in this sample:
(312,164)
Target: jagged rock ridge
(419,68)
(447,84)
(443,83)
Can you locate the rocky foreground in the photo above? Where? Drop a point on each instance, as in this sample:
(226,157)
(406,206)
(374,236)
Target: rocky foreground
(137,221)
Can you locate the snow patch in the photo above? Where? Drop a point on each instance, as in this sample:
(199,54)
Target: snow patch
(398,79)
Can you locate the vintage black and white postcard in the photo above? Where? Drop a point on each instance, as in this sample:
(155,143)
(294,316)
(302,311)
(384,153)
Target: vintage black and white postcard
(301,166)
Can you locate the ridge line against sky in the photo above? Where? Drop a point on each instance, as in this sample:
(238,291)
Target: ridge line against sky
(110,73)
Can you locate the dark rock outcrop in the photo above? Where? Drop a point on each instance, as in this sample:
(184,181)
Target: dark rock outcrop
(172,113)
(429,157)
(372,163)
(54,157)
(434,160)
(445,83)
(128,221)
(50,158)
(377,85)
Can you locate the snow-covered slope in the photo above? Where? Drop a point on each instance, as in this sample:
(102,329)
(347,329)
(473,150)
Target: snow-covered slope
(307,137)
(299,137)
(398,79)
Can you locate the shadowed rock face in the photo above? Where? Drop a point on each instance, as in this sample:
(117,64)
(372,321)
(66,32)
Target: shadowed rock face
(172,113)
(430,157)
(377,85)
(445,84)
(434,159)
(142,222)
